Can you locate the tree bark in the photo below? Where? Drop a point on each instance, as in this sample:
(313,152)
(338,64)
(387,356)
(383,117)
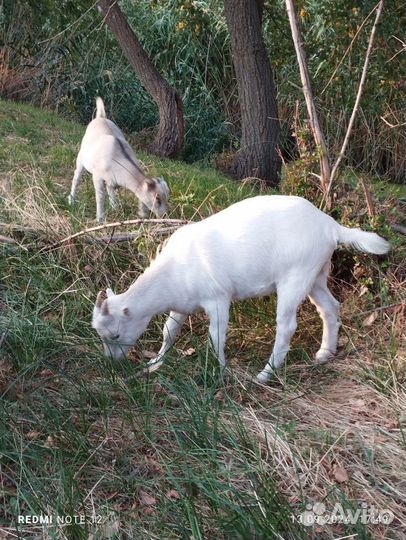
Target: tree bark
(169,139)
(258,154)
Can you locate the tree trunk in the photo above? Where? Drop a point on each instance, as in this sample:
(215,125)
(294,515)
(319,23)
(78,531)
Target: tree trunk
(258,154)
(169,139)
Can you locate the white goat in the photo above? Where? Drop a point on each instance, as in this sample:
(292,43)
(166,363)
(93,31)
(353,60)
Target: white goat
(106,154)
(253,248)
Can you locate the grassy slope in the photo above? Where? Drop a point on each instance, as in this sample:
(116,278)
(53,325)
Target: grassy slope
(180,454)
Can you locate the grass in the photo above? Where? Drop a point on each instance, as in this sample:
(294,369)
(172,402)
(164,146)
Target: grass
(181,454)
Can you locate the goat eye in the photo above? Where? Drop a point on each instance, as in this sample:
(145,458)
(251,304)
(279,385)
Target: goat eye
(114,338)
(158,199)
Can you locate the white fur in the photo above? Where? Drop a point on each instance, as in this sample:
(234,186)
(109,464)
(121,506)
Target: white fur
(253,248)
(106,154)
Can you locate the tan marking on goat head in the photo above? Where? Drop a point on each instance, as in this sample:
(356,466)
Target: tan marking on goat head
(151,183)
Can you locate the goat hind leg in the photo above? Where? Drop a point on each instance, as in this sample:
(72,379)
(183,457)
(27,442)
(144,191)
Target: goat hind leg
(100,190)
(328,309)
(76,179)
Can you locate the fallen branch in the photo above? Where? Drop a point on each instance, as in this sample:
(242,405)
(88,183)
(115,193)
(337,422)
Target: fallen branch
(15,227)
(132,236)
(381,308)
(8,240)
(115,224)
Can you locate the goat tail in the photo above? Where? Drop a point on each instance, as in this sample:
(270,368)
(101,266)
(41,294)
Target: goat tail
(363,241)
(100,112)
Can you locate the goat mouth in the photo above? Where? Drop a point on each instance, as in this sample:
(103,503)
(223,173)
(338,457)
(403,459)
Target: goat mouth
(115,352)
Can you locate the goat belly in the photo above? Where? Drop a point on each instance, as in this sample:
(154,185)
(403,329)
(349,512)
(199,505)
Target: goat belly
(256,290)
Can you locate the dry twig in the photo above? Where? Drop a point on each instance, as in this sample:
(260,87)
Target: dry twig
(368,198)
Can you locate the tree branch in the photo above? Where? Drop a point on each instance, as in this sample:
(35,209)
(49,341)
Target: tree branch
(357,100)
(308,94)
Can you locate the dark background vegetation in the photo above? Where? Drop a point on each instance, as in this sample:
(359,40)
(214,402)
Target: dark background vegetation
(60,55)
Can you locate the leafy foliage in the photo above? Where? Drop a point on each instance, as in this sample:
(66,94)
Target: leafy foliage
(60,55)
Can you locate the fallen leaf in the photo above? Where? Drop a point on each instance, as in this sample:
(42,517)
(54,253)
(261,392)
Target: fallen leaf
(51,442)
(111,529)
(149,354)
(340,474)
(32,435)
(358,406)
(159,389)
(294,499)
(111,495)
(148,511)
(155,466)
(188,352)
(47,373)
(364,290)
(146,499)
(358,403)
(173,494)
(369,321)
(326,464)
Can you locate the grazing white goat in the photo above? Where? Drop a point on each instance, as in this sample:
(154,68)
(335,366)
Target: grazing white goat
(106,154)
(253,248)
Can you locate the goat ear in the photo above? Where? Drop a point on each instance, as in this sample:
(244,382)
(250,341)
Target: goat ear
(105,308)
(109,292)
(101,297)
(126,311)
(151,184)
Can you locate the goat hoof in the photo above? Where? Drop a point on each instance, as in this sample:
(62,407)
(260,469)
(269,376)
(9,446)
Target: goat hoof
(263,377)
(154,365)
(323,356)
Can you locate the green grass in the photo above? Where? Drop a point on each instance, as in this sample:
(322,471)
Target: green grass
(183,453)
